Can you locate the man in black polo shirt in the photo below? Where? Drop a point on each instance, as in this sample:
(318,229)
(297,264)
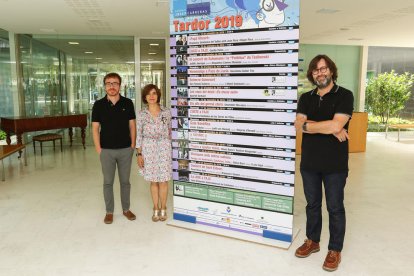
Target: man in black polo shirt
(114,131)
(323,116)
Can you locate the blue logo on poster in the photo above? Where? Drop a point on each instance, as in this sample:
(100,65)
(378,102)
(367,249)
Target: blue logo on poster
(228,210)
(180,8)
(202,8)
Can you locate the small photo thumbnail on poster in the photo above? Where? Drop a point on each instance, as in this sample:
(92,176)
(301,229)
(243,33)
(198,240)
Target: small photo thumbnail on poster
(182,92)
(178,189)
(182,102)
(183,123)
(181,40)
(183,175)
(182,49)
(183,165)
(183,144)
(181,60)
(182,80)
(183,153)
(182,111)
(182,69)
(182,134)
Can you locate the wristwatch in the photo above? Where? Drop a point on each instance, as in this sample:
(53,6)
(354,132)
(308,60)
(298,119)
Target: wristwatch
(304,127)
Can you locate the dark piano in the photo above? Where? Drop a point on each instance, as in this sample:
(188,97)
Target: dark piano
(20,125)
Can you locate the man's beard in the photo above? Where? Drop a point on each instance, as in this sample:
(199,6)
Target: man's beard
(325,83)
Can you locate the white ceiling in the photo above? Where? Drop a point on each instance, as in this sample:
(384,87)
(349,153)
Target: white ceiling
(363,22)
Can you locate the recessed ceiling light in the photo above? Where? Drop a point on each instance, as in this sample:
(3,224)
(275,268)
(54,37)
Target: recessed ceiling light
(152,53)
(130,62)
(355,39)
(88,52)
(344,29)
(154,44)
(73,43)
(98,58)
(327,11)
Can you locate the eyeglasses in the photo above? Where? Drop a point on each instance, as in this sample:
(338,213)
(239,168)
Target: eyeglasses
(322,70)
(111,84)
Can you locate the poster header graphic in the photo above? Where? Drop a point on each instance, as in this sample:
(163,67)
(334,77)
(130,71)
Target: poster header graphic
(206,16)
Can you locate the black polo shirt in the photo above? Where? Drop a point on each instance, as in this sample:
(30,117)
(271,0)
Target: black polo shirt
(114,121)
(323,152)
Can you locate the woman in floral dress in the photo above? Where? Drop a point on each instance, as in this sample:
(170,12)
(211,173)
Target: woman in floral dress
(154,148)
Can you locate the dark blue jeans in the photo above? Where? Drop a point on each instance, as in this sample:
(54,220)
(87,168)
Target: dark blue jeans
(334,184)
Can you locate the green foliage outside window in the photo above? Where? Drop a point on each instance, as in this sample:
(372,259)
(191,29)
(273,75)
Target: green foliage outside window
(387,94)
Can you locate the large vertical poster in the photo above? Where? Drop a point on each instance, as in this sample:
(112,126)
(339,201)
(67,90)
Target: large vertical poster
(234,77)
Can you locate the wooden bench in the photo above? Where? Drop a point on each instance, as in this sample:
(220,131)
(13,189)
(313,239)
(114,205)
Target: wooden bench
(7,150)
(45,138)
(399,127)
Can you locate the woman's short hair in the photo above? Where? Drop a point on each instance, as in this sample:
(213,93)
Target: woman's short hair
(147,89)
(314,64)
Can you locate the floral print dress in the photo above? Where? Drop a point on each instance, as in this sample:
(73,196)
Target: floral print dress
(154,139)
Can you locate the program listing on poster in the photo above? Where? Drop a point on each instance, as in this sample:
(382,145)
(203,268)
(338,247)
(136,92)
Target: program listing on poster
(240,139)
(248,185)
(249,59)
(237,171)
(233,148)
(213,70)
(263,162)
(197,136)
(237,182)
(243,81)
(233,114)
(242,36)
(235,103)
(245,47)
(268,93)
(223,126)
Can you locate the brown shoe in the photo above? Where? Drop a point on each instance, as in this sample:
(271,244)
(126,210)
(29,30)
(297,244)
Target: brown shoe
(129,215)
(332,260)
(307,248)
(109,218)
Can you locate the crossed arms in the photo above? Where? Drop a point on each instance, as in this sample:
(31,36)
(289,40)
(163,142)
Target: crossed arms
(334,126)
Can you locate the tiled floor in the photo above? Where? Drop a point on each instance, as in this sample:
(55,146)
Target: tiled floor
(51,216)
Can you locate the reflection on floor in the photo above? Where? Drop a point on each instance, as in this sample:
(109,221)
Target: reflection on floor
(52,214)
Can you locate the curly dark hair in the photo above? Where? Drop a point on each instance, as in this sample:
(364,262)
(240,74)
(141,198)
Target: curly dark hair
(147,89)
(314,64)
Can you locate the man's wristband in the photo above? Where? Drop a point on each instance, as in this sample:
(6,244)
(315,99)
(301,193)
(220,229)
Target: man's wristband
(305,127)
(139,154)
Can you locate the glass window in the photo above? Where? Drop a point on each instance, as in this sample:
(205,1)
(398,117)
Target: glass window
(64,74)
(6,96)
(40,70)
(386,59)
(152,67)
